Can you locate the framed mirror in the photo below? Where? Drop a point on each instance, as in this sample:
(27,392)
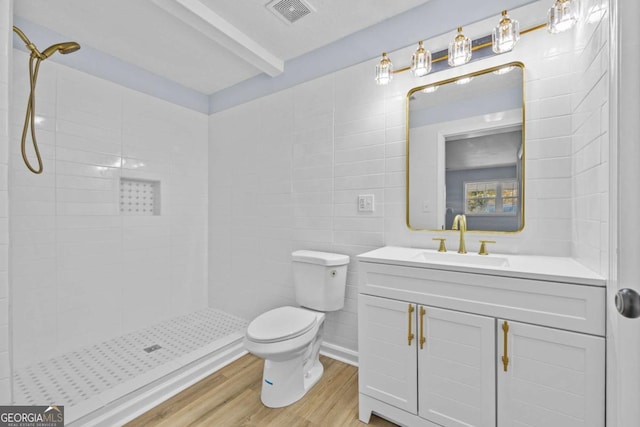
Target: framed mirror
(466,151)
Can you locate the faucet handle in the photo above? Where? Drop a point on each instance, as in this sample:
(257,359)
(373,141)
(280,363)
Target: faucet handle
(483,247)
(442,247)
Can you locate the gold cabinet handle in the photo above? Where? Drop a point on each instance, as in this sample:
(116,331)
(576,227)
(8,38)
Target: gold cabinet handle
(422,338)
(505,333)
(410,336)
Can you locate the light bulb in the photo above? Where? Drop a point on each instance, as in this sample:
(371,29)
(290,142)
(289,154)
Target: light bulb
(459,50)
(384,70)
(421,61)
(505,34)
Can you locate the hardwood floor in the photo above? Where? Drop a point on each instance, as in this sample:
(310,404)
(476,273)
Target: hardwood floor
(231,397)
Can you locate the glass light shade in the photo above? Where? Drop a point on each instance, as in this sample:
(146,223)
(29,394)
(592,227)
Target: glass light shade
(562,16)
(384,70)
(421,61)
(459,50)
(505,35)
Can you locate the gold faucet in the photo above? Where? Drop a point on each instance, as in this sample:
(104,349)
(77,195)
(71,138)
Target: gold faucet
(460,223)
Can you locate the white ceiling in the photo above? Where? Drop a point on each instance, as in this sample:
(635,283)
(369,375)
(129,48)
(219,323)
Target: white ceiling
(206,45)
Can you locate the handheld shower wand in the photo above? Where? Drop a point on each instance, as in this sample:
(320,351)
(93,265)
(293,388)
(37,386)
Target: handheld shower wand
(34,65)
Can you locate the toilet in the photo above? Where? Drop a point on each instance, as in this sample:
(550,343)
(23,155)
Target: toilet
(289,338)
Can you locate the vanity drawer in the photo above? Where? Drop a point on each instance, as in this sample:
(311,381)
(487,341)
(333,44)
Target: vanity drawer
(567,306)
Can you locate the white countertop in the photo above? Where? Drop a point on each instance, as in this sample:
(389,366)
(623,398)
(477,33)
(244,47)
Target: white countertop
(557,269)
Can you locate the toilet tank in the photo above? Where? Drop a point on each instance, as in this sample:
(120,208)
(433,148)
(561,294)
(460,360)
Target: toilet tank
(320,279)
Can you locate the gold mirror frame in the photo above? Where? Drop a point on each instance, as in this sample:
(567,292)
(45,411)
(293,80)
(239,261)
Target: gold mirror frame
(522,189)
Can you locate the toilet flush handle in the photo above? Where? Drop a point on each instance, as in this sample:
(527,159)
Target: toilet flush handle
(333,273)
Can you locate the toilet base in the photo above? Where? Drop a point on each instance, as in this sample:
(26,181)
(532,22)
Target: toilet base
(284,383)
(287,381)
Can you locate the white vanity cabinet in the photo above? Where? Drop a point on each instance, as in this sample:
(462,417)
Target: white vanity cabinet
(456,368)
(434,363)
(553,378)
(389,372)
(451,348)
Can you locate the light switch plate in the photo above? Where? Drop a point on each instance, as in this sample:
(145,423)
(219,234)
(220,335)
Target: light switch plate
(366,203)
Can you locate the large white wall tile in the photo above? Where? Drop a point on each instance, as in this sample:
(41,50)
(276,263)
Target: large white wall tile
(590,140)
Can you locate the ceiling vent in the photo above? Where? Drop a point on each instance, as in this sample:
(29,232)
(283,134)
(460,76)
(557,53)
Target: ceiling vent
(290,10)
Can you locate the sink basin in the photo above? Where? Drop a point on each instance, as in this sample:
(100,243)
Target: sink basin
(431,257)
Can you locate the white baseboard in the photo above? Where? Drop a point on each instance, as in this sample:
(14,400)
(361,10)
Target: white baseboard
(339,353)
(135,404)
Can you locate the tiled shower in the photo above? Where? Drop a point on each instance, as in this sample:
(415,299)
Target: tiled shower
(106,273)
(109,244)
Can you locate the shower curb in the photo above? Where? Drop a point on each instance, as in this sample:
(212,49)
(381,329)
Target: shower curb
(134,404)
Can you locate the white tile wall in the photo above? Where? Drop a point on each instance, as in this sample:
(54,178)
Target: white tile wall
(286,170)
(81,272)
(6,34)
(590,138)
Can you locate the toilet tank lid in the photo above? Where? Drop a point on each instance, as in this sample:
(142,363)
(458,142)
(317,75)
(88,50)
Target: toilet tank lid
(322,258)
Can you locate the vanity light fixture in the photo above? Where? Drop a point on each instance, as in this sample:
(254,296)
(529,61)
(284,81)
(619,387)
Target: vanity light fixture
(459,50)
(562,16)
(384,70)
(421,61)
(505,35)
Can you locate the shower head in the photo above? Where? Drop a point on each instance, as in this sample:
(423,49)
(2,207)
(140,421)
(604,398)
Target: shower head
(63,48)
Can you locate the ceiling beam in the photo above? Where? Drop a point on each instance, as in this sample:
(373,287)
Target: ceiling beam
(200,17)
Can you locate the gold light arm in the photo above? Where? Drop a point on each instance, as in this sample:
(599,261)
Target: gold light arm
(410,336)
(473,49)
(422,337)
(505,333)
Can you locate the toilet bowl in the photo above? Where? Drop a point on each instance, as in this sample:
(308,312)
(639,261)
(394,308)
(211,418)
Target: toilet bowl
(289,338)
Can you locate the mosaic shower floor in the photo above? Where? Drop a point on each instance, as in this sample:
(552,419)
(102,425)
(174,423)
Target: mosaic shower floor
(74,378)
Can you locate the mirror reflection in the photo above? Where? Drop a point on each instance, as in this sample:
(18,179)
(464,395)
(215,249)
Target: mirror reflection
(465,150)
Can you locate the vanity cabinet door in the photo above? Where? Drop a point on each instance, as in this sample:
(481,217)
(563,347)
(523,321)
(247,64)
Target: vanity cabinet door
(387,363)
(549,378)
(456,368)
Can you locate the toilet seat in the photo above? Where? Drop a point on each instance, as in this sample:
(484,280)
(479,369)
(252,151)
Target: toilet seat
(281,324)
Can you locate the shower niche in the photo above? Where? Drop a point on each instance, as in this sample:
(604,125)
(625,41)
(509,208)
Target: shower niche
(139,197)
